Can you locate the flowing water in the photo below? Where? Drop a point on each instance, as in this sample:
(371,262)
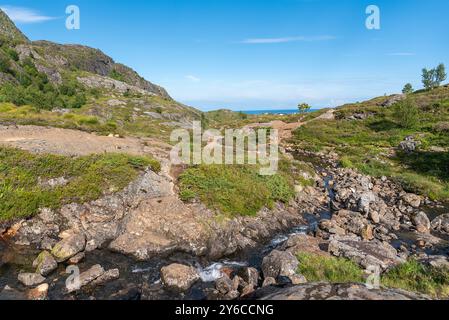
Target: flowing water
(137,277)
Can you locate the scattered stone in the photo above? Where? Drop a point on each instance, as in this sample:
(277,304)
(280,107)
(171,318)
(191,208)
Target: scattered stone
(250,276)
(374,216)
(409,145)
(247,290)
(77,258)
(412,200)
(69,247)
(297,279)
(421,222)
(45,264)
(441,223)
(38,293)
(85,278)
(440,262)
(108,276)
(269,282)
(30,279)
(224,285)
(365,201)
(179,277)
(279,263)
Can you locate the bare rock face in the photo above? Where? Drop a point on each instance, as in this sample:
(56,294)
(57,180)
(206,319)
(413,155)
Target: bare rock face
(179,277)
(302,243)
(45,264)
(327,291)
(158,227)
(69,247)
(392,100)
(441,223)
(279,263)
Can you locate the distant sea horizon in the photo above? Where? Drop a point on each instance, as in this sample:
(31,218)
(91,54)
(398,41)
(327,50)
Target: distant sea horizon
(273,111)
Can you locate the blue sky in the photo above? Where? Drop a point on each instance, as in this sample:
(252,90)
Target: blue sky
(255,54)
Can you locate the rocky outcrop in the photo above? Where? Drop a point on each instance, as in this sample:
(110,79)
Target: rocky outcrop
(366,254)
(392,100)
(409,145)
(327,291)
(9,30)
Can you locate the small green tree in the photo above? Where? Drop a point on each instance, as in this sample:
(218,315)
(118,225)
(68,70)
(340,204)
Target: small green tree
(406,113)
(408,88)
(303,107)
(433,78)
(440,73)
(428,78)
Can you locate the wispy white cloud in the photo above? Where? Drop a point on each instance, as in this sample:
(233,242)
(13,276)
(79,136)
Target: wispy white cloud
(193,78)
(287,39)
(24,15)
(401,54)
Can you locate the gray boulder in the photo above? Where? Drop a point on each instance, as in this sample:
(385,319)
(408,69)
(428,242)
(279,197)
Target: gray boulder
(69,247)
(366,254)
(45,264)
(85,278)
(421,222)
(30,279)
(279,263)
(441,223)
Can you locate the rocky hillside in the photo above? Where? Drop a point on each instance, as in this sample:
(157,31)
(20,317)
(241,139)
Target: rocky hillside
(81,88)
(9,30)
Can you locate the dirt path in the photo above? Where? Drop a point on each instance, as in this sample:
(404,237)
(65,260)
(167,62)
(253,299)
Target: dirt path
(77,143)
(286,129)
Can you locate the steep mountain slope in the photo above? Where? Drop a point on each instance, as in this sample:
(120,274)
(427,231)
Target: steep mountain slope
(9,30)
(78,87)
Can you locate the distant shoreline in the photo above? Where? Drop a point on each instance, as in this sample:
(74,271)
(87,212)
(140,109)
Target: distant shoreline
(286,111)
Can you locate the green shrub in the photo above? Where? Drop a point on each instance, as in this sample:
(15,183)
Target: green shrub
(5,64)
(114,74)
(406,113)
(13,54)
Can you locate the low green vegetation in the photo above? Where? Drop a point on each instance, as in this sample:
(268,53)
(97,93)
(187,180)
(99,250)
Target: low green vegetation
(411,276)
(318,268)
(406,114)
(31,87)
(370,143)
(414,276)
(234,189)
(24,176)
